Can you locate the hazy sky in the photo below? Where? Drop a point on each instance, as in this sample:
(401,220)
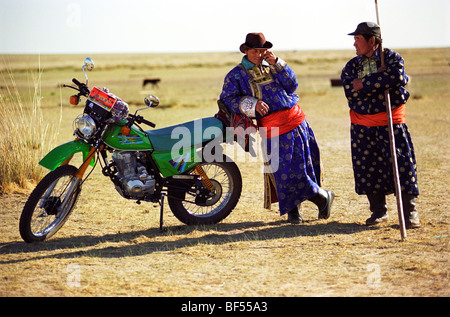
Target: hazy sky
(94,26)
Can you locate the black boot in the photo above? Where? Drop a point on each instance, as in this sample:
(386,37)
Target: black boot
(323,199)
(410,213)
(294,216)
(377,203)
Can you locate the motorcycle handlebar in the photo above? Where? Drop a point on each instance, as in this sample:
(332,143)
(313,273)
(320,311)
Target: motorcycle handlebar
(76,82)
(140,119)
(84,90)
(151,124)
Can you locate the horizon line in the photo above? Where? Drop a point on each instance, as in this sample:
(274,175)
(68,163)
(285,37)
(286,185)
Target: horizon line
(203,51)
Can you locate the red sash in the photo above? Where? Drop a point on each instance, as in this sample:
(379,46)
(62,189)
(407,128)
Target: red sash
(379,119)
(284,120)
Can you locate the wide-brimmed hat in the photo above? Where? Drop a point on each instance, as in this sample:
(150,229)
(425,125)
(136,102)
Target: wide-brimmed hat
(255,40)
(367,28)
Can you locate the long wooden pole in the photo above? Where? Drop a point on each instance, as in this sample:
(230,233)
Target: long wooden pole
(387,98)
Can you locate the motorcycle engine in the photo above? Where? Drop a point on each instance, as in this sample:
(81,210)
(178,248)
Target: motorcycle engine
(135,181)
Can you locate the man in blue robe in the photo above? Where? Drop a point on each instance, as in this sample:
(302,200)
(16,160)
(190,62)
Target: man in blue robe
(263,87)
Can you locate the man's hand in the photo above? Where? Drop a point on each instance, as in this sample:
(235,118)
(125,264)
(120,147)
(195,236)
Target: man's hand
(357,84)
(270,57)
(262,108)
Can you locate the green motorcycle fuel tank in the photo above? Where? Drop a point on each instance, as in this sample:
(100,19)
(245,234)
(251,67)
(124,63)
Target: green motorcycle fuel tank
(174,148)
(133,141)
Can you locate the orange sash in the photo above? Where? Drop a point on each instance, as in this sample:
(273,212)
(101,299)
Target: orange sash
(284,120)
(379,119)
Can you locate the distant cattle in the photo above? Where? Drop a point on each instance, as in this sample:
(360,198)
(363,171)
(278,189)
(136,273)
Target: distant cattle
(153,81)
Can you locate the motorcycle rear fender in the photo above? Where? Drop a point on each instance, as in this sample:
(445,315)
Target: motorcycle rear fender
(61,153)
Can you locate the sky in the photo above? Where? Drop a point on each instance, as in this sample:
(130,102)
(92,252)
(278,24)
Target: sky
(154,26)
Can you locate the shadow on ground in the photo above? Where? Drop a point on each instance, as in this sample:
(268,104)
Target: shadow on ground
(223,233)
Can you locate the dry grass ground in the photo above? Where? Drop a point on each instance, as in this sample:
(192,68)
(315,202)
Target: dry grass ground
(113,247)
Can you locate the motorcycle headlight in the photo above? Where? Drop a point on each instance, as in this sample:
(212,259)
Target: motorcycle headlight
(85,126)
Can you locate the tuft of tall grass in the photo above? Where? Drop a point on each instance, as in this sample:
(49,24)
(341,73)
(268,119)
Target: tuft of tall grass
(25,135)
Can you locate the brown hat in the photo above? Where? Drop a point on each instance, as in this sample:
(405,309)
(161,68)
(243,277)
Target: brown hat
(255,40)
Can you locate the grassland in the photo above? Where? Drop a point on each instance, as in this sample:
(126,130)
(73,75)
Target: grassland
(113,247)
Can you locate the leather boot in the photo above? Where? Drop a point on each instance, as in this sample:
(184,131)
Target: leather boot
(323,199)
(294,216)
(378,207)
(409,211)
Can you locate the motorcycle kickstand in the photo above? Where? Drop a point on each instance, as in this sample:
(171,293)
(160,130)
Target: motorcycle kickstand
(161,214)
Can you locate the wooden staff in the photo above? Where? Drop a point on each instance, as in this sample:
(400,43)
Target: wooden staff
(398,192)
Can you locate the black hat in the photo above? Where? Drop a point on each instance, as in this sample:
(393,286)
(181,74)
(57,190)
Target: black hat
(367,28)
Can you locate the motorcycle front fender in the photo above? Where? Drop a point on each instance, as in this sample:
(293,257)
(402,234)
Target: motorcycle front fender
(61,153)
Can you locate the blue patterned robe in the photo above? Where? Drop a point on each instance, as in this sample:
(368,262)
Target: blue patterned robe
(297,170)
(371,155)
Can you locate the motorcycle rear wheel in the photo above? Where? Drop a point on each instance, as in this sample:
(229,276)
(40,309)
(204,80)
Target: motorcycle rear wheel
(50,204)
(227,181)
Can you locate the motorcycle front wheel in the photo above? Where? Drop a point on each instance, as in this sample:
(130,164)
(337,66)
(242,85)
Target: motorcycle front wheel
(227,181)
(50,204)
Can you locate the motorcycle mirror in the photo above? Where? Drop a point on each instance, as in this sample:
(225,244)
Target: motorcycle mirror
(151,101)
(89,65)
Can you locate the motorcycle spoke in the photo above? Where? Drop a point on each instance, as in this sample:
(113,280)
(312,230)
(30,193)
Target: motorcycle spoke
(42,222)
(218,174)
(197,204)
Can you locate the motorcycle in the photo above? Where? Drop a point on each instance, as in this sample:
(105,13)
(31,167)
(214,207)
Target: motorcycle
(143,165)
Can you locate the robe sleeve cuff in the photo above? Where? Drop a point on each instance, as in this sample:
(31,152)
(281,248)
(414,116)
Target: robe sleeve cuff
(247,105)
(278,66)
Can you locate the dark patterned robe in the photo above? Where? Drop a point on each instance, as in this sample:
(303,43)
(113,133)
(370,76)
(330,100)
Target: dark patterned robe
(371,155)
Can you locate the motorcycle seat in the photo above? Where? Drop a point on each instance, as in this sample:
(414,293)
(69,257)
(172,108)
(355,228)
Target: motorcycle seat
(191,133)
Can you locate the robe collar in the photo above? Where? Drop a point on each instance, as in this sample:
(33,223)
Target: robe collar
(375,56)
(249,65)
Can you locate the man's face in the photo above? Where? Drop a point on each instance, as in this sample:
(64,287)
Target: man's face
(256,55)
(363,46)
